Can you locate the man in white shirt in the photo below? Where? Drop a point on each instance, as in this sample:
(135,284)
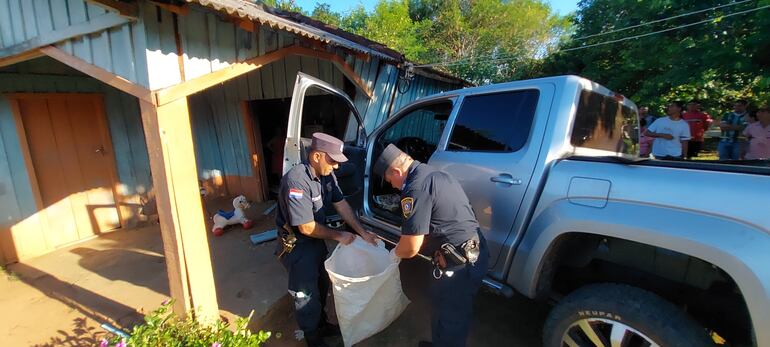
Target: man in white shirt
(671,134)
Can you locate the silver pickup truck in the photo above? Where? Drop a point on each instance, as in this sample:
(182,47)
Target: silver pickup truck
(632,252)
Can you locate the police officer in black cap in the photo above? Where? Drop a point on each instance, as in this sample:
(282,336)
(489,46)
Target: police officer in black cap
(434,205)
(304,192)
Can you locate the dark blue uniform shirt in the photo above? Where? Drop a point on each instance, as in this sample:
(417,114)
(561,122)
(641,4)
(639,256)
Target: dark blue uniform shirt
(433,203)
(303,195)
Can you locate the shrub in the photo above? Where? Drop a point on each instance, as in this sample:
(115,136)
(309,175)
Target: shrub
(163,328)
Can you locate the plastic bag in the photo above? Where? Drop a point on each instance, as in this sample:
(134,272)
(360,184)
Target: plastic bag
(367,289)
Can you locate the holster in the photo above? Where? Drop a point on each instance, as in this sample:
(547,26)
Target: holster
(450,256)
(288,240)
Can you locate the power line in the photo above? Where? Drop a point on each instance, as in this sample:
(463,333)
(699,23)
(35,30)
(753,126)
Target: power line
(660,20)
(665,30)
(504,58)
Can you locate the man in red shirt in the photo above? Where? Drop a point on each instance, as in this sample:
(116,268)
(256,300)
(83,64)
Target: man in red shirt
(699,123)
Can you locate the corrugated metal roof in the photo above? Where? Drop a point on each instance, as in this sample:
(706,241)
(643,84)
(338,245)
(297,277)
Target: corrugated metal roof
(292,22)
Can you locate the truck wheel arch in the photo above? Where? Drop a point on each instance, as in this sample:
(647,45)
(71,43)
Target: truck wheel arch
(553,227)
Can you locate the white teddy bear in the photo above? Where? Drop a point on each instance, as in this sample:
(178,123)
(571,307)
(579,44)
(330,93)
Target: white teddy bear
(222,219)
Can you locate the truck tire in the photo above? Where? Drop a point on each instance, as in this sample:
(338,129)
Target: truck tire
(597,314)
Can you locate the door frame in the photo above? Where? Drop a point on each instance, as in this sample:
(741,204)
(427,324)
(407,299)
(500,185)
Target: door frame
(106,137)
(368,215)
(251,128)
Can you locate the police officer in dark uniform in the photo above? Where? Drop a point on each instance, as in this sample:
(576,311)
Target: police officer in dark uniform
(434,205)
(304,192)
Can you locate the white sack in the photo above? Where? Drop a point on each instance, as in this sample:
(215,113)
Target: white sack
(367,289)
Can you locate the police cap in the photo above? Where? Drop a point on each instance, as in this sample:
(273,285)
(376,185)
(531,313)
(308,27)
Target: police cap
(330,145)
(386,159)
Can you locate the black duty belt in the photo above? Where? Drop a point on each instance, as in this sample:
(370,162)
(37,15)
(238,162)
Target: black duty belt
(449,257)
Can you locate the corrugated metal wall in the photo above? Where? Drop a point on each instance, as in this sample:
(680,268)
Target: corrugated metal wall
(45,75)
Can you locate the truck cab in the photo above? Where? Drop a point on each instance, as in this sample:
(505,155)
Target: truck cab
(631,250)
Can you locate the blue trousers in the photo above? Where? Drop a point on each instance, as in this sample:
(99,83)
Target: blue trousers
(452,302)
(308,283)
(729,150)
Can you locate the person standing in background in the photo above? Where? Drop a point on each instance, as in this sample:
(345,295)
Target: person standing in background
(732,125)
(758,134)
(671,134)
(644,113)
(699,123)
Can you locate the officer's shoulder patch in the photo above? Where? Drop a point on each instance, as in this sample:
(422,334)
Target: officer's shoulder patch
(295,193)
(407,206)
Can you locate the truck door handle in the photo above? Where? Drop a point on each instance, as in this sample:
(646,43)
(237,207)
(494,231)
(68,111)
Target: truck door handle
(506,179)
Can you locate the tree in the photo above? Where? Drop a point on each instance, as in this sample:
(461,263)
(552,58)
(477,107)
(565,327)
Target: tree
(717,61)
(391,25)
(491,40)
(285,5)
(487,40)
(324,13)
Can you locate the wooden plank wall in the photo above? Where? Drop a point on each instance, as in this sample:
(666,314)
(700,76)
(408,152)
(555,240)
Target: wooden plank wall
(221,145)
(22,20)
(16,199)
(120,49)
(45,75)
(209,44)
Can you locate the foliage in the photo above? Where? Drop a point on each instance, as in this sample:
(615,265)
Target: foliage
(495,40)
(163,328)
(286,5)
(391,25)
(492,40)
(716,62)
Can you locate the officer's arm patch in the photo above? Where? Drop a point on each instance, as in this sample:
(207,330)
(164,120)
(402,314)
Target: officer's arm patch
(407,206)
(296,193)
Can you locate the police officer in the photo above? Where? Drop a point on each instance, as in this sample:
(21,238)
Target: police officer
(304,192)
(434,205)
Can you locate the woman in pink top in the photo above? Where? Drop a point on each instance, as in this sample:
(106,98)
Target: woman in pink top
(758,134)
(645,142)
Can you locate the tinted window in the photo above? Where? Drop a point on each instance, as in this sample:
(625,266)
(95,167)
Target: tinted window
(328,113)
(494,122)
(603,122)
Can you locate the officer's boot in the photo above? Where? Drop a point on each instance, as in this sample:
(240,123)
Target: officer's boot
(315,339)
(425,344)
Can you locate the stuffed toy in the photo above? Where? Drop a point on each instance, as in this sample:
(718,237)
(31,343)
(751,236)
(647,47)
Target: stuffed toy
(224,218)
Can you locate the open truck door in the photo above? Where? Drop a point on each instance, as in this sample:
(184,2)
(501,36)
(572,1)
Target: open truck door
(316,106)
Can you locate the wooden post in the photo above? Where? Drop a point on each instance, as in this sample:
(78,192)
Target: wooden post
(169,139)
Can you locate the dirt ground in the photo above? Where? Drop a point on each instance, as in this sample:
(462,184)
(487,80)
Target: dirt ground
(497,321)
(62,298)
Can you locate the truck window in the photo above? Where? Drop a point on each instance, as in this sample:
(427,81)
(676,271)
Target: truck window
(494,122)
(603,122)
(328,113)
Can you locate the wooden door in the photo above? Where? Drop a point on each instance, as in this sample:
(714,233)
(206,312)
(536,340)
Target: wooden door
(73,164)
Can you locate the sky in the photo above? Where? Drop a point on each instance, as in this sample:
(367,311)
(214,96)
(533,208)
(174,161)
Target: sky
(561,6)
